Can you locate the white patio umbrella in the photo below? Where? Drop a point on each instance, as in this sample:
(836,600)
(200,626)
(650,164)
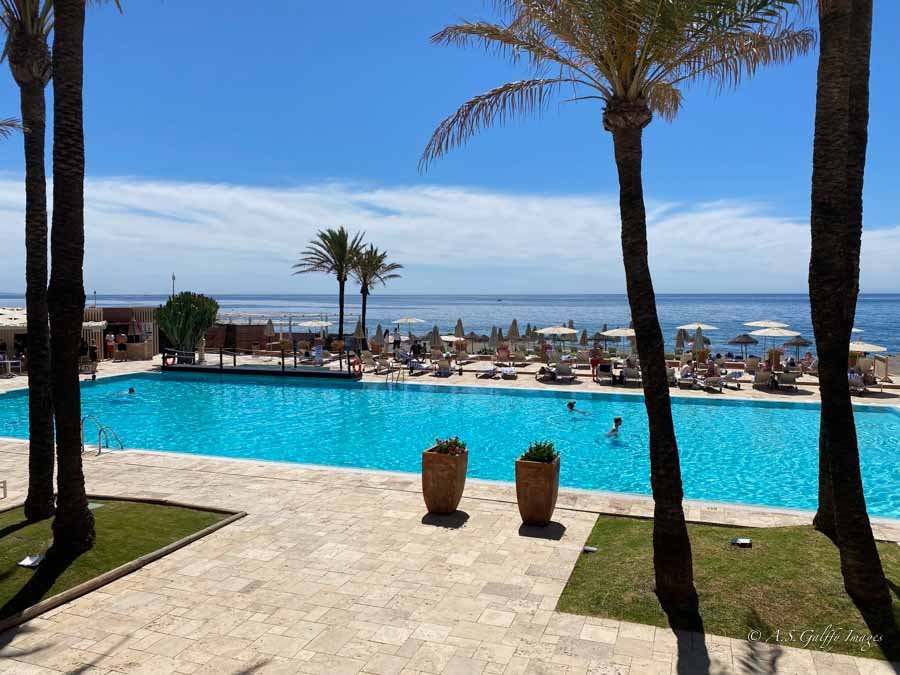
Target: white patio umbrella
(766,323)
(619,332)
(866,347)
(408,321)
(766,333)
(459,331)
(697,326)
(557,331)
(315,323)
(856,330)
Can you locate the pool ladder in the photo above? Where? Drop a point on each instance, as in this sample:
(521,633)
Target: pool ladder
(103,433)
(398,375)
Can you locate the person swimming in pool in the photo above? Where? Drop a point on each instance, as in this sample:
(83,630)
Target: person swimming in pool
(614,432)
(131,390)
(571,407)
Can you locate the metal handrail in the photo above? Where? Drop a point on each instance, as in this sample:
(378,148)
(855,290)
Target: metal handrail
(103,433)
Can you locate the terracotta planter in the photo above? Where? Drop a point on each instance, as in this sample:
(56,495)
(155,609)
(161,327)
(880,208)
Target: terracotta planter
(537,486)
(443,480)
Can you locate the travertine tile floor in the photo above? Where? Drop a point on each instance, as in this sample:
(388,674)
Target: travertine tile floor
(337,572)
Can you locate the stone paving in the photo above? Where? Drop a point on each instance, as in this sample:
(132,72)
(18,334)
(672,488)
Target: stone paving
(337,571)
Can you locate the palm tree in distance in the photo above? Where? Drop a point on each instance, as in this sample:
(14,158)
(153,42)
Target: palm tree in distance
(633,58)
(372,268)
(332,252)
(28,24)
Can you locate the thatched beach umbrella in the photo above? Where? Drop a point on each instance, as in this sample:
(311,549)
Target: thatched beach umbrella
(584,338)
(492,341)
(434,338)
(680,338)
(269,330)
(459,331)
(513,333)
(698,342)
(500,335)
(529,331)
(743,340)
(360,332)
(571,324)
(798,341)
(379,336)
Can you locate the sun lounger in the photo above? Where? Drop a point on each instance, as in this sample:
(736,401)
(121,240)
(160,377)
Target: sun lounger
(630,375)
(509,373)
(417,367)
(881,367)
(762,379)
(563,372)
(462,358)
(712,383)
(442,368)
(788,380)
(488,370)
(519,358)
(733,377)
(690,382)
(672,377)
(857,384)
(752,365)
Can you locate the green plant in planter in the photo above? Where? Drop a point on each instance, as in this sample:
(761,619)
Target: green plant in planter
(449,446)
(541,451)
(186,317)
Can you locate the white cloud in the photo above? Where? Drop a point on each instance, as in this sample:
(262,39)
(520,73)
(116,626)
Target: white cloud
(220,238)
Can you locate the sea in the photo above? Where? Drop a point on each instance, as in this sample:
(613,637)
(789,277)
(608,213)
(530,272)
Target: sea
(877,315)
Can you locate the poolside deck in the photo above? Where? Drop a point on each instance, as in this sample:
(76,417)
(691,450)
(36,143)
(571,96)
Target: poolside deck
(337,571)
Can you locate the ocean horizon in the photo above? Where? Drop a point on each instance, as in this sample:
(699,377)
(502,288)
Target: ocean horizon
(877,314)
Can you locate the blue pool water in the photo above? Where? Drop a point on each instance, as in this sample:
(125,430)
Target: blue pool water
(755,453)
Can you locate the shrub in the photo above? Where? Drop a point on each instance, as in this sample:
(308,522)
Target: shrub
(449,446)
(540,451)
(186,317)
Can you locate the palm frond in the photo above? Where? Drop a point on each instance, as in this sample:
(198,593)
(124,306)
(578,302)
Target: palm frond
(8,126)
(372,267)
(497,106)
(332,252)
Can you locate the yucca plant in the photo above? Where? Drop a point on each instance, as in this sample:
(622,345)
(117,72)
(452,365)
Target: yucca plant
(632,57)
(186,317)
(333,252)
(372,267)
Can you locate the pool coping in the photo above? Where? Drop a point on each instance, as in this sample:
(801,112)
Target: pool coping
(127,568)
(598,502)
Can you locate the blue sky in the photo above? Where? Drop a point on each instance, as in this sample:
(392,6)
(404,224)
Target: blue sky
(213,117)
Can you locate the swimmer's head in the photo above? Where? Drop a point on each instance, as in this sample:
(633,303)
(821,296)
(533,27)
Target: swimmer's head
(571,405)
(617,421)
(131,390)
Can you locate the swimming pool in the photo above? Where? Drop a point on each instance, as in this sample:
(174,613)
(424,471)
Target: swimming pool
(733,451)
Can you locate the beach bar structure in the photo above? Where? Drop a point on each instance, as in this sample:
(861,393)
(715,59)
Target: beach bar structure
(138,323)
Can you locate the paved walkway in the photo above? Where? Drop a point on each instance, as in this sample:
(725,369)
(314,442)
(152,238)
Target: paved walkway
(336,571)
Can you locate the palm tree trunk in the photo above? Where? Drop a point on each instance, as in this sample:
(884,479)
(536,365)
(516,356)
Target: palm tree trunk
(836,222)
(39,503)
(672,559)
(365,296)
(341,284)
(73,527)
(823,521)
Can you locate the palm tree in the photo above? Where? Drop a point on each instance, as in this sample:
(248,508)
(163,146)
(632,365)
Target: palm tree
(839,158)
(332,252)
(371,268)
(633,58)
(73,526)
(28,24)
(7,127)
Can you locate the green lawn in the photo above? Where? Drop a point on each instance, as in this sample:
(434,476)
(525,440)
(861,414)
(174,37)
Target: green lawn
(125,531)
(789,580)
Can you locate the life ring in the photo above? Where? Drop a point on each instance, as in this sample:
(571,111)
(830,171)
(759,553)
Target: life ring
(356,364)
